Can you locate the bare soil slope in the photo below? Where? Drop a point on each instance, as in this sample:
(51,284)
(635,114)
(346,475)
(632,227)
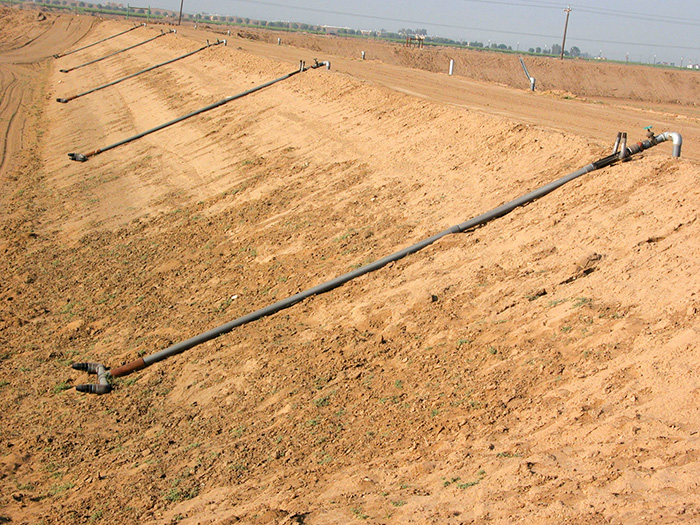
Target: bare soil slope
(542,368)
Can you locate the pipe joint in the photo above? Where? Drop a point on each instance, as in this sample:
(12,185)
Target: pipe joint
(673,136)
(102,386)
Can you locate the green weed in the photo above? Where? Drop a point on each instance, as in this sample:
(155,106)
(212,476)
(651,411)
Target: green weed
(60,387)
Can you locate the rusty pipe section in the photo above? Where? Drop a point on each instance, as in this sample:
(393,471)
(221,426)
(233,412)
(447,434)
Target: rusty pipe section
(109,84)
(162,33)
(61,55)
(82,157)
(469,225)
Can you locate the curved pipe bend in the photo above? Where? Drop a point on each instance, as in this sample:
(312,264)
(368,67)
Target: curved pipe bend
(675,137)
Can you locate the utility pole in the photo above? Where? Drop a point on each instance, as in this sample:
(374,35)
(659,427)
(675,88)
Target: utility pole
(180,19)
(566,25)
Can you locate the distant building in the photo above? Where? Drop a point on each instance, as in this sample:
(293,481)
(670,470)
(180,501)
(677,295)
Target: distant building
(334,30)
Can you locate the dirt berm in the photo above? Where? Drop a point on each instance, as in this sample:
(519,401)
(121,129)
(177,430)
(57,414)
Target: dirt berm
(540,369)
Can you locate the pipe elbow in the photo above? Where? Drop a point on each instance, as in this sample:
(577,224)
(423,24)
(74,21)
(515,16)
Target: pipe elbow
(676,138)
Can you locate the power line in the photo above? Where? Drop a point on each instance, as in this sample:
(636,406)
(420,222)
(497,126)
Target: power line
(584,9)
(549,5)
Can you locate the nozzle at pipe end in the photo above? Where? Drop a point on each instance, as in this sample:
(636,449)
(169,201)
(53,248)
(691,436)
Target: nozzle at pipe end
(94,389)
(83,367)
(225,42)
(63,70)
(78,157)
(62,100)
(90,368)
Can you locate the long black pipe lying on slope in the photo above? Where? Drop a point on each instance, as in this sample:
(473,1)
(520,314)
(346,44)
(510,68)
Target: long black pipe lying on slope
(82,157)
(60,55)
(117,52)
(104,387)
(68,99)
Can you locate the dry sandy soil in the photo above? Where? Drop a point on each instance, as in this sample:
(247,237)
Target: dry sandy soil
(540,369)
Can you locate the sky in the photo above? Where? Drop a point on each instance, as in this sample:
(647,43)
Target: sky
(639,30)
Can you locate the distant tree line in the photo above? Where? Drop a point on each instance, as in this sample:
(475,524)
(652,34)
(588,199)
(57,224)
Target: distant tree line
(113,8)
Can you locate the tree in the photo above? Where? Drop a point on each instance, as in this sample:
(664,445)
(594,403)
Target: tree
(531,50)
(575,52)
(538,50)
(556,49)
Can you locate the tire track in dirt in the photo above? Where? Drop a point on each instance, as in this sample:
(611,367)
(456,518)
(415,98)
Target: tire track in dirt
(20,71)
(8,111)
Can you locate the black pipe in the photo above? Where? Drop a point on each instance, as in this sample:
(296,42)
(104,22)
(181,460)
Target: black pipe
(82,157)
(68,99)
(338,281)
(116,52)
(61,55)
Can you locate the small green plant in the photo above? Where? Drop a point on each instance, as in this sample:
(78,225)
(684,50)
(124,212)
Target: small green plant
(479,476)
(320,381)
(398,383)
(60,489)
(358,512)
(60,387)
(238,431)
(399,503)
(178,494)
(463,342)
(492,350)
(322,401)
(556,302)
(581,301)
(4,383)
(566,329)
(173,495)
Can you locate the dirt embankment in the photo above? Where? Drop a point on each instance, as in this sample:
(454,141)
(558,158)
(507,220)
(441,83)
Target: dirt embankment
(542,368)
(581,78)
